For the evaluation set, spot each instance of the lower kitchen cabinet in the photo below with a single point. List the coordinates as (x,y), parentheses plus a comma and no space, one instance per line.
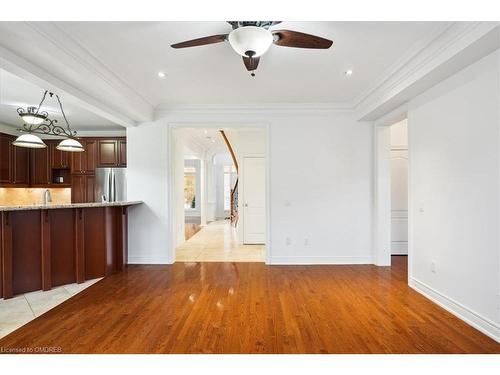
(64,245)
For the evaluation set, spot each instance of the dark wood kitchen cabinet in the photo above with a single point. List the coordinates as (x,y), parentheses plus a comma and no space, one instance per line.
(82,188)
(64,245)
(122,152)
(85,162)
(14,163)
(107,153)
(89,188)
(5,159)
(21,166)
(90,155)
(58,159)
(78,189)
(112,153)
(47,167)
(40,166)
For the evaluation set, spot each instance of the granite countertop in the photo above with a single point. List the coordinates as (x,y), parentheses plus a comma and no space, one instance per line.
(49,206)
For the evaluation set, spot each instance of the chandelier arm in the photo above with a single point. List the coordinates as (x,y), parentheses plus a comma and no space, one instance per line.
(71,133)
(41,102)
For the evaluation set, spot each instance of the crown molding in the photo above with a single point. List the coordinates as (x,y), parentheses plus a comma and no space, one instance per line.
(83,76)
(33,73)
(163,110)
(109,96)
(73,48)
(400,65)
(427,56)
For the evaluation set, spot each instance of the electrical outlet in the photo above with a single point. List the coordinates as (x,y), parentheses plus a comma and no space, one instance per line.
(433,266)
(422,207)
(288,241)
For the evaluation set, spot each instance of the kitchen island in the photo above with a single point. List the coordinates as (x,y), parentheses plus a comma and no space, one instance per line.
(44,246)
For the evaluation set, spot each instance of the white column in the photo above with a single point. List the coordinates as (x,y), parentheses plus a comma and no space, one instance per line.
(382,196)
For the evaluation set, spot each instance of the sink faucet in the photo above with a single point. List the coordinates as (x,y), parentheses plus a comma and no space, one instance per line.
(47,197)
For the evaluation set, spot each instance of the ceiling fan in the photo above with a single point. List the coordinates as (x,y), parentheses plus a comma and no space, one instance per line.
(251,39)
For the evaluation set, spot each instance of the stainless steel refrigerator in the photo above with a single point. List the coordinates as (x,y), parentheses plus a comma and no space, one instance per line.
(110,184)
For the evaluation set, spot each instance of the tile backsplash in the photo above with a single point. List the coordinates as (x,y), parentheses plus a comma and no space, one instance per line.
(22,196)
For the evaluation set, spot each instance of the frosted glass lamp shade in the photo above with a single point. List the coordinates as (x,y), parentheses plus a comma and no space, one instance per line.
(71,145)
(29,140)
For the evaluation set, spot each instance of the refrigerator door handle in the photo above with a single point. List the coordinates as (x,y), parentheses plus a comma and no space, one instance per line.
(108,187)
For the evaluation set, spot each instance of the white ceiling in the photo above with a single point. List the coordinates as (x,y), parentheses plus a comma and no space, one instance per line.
(207,140)
(16,92)
(214,74)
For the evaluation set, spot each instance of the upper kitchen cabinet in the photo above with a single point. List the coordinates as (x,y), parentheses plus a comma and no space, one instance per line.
(40,166)
(85,162)
(107,153)
(5,159)
(90,155)
(21,166)
(122,152)
(58,159)
(112,153)
(14,163)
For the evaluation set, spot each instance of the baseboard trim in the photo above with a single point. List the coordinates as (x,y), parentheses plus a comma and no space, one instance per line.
(312,260)
(148,260)
(486,326)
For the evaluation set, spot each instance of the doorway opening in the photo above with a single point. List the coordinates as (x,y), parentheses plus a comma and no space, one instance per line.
(219,194)
(399,188)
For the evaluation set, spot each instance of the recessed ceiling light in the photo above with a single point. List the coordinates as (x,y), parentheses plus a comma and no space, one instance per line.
(161,74)
(348,72)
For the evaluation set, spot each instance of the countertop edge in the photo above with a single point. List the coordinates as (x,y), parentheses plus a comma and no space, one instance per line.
(72,205)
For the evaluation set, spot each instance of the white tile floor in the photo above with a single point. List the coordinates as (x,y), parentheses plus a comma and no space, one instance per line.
(16,312)
(218,242)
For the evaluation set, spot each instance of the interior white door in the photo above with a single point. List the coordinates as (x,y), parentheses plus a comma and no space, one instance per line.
(254,200)
(399,201)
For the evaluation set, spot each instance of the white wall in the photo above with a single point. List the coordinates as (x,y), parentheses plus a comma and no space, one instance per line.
(321,190)
(147,180)
(320,186)
(454,194)
(178,145)
(211,188)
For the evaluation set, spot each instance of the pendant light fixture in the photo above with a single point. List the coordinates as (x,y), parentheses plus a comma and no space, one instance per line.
(29,141)
(37,121)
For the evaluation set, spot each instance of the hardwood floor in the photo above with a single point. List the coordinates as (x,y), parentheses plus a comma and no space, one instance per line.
(252,308)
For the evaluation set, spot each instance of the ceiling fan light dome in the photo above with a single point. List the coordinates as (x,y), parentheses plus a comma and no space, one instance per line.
(250,41)
(29,141)
(71,145)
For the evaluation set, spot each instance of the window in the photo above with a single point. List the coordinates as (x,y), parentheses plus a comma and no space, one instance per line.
(189,188)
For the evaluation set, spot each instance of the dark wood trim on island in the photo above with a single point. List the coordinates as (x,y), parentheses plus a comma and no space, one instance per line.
(41,248)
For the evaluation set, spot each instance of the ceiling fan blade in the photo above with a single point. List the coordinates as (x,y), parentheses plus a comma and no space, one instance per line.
(251,63)
(201,41)
(288,38)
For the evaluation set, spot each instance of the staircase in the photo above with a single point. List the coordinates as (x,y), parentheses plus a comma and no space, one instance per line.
(234,191)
